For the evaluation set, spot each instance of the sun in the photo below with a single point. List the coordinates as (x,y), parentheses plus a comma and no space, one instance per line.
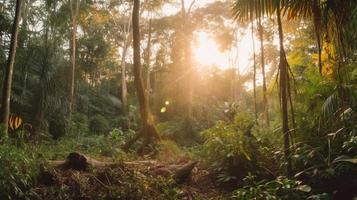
(206,52)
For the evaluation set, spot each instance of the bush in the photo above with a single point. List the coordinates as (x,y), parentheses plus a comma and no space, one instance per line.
(281,188)
(230,150)
(98,124)
(79,124)
(169,152)
(57,126)
(18,170)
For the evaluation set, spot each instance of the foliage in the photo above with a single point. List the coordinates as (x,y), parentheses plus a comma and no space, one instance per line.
(18,171)
(280,188)
(169,152)
(57,126)
(98,124)
(230,149)
(225,136)
(327,167)
(95,145)
(79,124)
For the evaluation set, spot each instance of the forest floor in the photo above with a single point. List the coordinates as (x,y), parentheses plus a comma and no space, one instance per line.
(138,179)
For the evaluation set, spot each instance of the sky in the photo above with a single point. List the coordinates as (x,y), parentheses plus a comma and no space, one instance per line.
(207,51)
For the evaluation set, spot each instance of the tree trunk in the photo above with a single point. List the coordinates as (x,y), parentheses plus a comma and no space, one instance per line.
(74,14)
(187,36)
(148,131)
(6,91)
(283,76)
(317,25)
(254,74)
(265,100)
(124,89)
(40,93)
(147,60)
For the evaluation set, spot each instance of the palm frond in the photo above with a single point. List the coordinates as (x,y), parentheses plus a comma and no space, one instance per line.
(244,10)
(330,106)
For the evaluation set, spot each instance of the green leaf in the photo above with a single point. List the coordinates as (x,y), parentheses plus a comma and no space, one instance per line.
(304,188)
(351,160)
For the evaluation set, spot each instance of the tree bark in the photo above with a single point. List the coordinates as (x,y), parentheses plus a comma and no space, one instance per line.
(283,76)
(187,36)
(262,60)
(147,60)
(74,14)
(148,131)
(254,74)
(6,91)
(124,89)
(316,12)
(40,93)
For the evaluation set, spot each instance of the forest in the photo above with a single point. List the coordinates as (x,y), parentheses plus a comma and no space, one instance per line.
(178,99)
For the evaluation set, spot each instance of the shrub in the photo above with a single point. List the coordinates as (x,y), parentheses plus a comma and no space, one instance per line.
(79,124)
(57,126)
(98,124)
(170,152)
(228,151)
(170,129)
(280,188)
(18,170)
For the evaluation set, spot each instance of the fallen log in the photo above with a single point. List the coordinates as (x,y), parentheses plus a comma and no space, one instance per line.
(80,162)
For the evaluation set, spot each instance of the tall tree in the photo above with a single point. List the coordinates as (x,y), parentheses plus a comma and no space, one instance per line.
(187,63)
(6,90)
(74,5)
(254,74)
(245,10)
(148,56)
(127,35)
(148,130)
(127,42)
(262,62)
(283,83)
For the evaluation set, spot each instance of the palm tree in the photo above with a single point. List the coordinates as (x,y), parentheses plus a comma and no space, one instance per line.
(311,9)
(284,91)
(247,10)
(6,91)
(330,19)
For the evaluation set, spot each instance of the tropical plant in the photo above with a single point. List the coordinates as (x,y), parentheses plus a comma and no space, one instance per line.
(230,150)
(280,188)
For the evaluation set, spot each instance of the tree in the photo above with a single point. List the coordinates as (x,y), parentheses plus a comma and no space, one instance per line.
(148,130)
(254,74)
(6,90)
(127,41)
(148,57)
(247,10)
(74,5)
(283,83)
(187,63)
(262,61)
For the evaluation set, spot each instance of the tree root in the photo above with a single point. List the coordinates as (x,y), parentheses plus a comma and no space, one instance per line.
(149,134)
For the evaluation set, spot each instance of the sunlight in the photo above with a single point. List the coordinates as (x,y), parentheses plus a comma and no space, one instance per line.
(207,53)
